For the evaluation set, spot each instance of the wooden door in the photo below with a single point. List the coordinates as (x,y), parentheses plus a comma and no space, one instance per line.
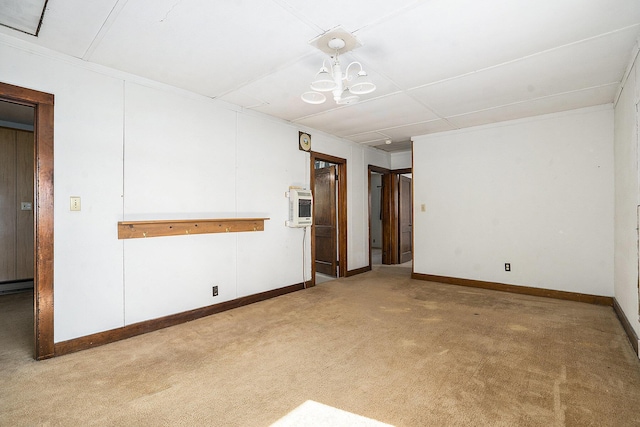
(389,246)
(405,222)
(324,221)
(7,204)
(16,204)
(24,204)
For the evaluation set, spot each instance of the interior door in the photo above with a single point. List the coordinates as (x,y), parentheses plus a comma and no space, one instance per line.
(405,222)
(16,205)
(7,204)
(324,221)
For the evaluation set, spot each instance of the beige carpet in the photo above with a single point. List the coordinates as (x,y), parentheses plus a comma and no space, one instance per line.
(377,346)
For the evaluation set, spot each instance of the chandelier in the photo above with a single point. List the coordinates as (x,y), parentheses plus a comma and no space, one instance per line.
(344,87)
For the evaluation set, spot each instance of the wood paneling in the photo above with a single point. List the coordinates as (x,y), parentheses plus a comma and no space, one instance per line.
(7,204)
(16,186)
(24,193)
(142,229)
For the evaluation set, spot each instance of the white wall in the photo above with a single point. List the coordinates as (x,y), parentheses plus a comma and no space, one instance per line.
(626,197)
(537,193)
(401,160)
(134,149)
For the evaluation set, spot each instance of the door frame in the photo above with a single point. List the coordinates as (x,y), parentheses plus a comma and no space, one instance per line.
(43,216)
(341,209)
(390,216)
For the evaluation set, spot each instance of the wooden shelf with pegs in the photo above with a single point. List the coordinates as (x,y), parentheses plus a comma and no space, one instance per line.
(183,227)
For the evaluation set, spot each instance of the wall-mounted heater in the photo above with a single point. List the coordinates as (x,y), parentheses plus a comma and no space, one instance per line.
(300,208)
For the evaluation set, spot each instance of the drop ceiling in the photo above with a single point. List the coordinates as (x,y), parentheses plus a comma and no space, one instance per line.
(438,64)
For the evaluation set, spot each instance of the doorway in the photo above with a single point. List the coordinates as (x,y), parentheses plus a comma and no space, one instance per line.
(376,216)
(329,231)
(16,193)
(42,104)
(390,216)
(16,228)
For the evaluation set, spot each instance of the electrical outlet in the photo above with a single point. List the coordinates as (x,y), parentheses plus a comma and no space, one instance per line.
(507,266)
(215,291)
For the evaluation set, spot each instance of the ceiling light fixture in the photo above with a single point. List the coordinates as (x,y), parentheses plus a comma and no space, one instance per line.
(345,87)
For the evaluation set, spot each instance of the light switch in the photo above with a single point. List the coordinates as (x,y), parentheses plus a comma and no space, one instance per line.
(423,207)
(75,203)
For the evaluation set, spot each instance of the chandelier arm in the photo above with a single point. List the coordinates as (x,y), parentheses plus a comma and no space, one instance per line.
(346,72)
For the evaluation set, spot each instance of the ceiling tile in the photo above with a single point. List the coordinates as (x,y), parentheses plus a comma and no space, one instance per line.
(351,15)
(470,62)
(22,15)
(553,104)
(70,26)
(368,138)
(595,62)
(372,115)
(406,132)
(446,38)
(206,47)
(280,91)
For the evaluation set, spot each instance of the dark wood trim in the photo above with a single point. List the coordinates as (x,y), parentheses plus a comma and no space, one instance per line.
(413,204)
(113,335)
(390,224)
(342,212)
(43,228)
(402,171)
(142,229)
(358,271)
(342,218)
(369,210)
(526,290)
(24,96)
(631,333)
(379,169)
(390,205)
(385,237)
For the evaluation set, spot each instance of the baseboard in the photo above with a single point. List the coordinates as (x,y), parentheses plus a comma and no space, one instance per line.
(358,271)
(540,292)
(631,333)
(106,337)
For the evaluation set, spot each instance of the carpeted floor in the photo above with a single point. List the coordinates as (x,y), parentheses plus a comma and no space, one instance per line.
(377,345)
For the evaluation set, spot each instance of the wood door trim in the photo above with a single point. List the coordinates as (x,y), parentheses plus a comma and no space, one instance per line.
(391,183)
(390,222)
(43,229)
(342,212)
(385,223)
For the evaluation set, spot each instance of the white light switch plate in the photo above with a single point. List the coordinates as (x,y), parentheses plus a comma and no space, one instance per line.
(75,203)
